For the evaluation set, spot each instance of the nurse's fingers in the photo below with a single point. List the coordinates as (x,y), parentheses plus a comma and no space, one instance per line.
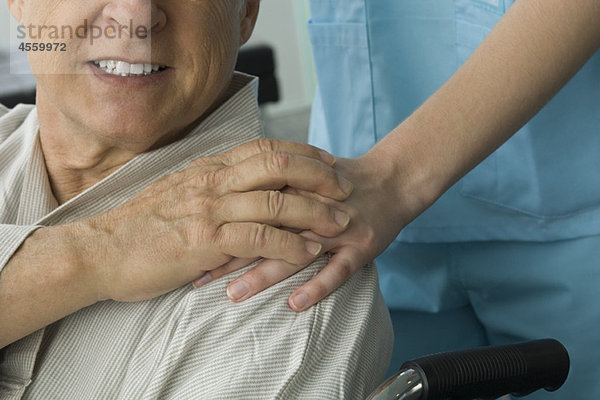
(341,267)
(233,265)
(270,272)
(266,274)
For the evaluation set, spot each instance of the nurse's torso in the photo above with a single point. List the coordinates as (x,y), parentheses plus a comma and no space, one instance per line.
(378,60)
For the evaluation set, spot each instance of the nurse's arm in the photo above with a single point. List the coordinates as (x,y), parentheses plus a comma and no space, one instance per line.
(527,58)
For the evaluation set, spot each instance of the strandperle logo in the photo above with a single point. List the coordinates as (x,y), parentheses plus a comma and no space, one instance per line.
(85,30)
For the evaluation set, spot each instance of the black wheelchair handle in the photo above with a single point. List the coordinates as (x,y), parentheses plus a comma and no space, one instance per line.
(493,371)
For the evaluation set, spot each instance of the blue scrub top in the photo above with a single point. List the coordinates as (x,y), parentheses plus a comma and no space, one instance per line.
(378,60)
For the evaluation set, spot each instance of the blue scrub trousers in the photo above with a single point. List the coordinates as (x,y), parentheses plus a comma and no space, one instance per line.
(450,296)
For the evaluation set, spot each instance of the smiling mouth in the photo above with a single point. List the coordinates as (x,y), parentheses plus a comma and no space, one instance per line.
(123,68)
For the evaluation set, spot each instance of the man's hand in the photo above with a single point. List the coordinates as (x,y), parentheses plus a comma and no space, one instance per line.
(376,217)
(217,208)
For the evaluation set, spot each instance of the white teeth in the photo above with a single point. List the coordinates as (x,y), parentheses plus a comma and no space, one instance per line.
(124,68)
(136,69)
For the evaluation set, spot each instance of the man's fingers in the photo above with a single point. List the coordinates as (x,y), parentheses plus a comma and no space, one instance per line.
(276,170)
(249,240)
(342,266)
(250,149)
(280,209)
(264,275)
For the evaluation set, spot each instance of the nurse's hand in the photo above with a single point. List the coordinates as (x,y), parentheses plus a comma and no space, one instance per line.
(377,214)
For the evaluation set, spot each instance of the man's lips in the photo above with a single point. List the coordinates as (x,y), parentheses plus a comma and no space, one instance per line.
(124,68)
(130,80)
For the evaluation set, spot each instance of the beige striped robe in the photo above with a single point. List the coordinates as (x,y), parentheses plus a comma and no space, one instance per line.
(190,343)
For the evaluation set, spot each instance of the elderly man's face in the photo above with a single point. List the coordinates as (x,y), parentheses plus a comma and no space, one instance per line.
(194,42)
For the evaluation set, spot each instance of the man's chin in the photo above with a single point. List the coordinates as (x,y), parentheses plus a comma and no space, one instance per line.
(135,135)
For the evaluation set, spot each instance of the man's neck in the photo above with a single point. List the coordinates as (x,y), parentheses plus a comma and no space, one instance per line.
(73,167)
(76,160)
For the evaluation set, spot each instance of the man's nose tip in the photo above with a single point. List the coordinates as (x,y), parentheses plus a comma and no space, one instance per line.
(135,13)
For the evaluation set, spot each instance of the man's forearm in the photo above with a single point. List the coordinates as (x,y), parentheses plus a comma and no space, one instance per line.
(532,52)
(43,282)
(172,232)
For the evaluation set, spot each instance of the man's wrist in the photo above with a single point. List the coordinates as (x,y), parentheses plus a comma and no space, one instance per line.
(87,247)
(79,272)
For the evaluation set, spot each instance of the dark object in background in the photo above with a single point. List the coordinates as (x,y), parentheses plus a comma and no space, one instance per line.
(260,61)
(485,372)
(13,99)
(256,60)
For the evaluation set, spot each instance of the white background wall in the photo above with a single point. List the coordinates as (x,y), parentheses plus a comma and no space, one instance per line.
(4,25)
(282,24)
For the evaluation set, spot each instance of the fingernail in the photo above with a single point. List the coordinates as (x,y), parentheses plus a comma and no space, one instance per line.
(345,185)
(313,248)
(327,158)
(237,290)
(341,218)
(299,301)
(203,280)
